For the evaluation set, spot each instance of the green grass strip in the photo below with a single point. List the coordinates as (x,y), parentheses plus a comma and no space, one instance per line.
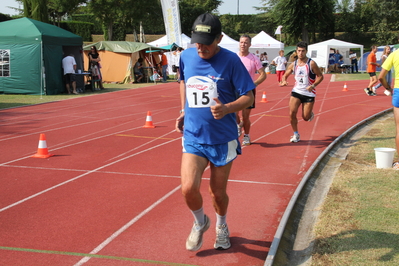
(91,255)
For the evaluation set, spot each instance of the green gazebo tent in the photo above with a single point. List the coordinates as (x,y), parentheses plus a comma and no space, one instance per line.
(31,55)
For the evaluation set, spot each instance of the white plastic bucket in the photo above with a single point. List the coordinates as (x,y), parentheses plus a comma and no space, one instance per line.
(384,157)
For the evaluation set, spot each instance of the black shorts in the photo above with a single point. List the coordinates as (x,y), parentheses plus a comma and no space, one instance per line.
(303,98)
(253,105)
(372,74)
(69,78)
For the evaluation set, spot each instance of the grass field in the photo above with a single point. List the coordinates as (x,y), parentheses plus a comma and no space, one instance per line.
(16,100)
(359,218)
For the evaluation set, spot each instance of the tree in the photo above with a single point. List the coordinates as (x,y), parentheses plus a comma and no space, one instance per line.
(59,8)
(4,17)
(151,18)
(385,21)
(191,9)
(106,13)
(36,9)
(300,18)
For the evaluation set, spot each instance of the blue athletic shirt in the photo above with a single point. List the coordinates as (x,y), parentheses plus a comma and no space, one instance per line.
(224,77)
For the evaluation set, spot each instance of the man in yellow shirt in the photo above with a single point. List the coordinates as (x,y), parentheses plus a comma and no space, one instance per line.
(392,61)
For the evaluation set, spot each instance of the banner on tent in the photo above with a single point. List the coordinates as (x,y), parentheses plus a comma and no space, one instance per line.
(171,17)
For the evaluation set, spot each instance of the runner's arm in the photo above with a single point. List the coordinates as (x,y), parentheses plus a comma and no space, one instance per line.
(288,72)
(180,119)
(319,75)
(381,78)
(220,110)
(261,77)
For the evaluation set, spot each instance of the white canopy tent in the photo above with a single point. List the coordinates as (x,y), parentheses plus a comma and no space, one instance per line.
(320,52)
(163,41)
(263,42)
(229,43)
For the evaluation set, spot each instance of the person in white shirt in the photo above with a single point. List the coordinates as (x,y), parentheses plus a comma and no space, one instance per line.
(281,63)
(69,66)
(307,77)
(353,58)
(179,50)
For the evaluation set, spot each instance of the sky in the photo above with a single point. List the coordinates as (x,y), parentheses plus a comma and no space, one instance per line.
(244,7)
(4,7)
(229,6)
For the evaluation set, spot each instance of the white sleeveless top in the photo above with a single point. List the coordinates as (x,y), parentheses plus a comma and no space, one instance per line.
(304,77)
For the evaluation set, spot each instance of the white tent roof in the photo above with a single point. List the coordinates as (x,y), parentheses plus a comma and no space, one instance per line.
(163,41)
(264,40)
(229,43)
(319,52)
(334,43)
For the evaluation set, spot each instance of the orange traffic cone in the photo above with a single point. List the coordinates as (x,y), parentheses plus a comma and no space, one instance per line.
(42,151)
(264,99)
(148,121)
(345,87)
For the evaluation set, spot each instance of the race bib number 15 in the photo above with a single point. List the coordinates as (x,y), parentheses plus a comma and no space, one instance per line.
(200,92)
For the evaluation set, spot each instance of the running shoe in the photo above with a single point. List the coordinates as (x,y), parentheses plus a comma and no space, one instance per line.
(222,237)
(387,93)
(239,127)
(367,91)
(194,240)
(372,94)
(295,138)
(311,117)
(246,141)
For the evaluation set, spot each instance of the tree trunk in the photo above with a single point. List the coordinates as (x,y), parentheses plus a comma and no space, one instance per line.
(110,24)
(305,35)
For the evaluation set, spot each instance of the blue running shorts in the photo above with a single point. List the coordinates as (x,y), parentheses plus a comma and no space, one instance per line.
(395,98)
(218,154)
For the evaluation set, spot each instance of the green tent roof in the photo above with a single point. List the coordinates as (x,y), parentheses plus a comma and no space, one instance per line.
(26,30)
(121,46)
(171,47)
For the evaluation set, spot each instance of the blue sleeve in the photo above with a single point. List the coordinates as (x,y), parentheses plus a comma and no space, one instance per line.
(242,81)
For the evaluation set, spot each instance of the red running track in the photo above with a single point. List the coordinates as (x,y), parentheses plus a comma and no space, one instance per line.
(110,195)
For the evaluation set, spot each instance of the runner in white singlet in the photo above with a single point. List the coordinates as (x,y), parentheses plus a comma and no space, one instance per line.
(307,77)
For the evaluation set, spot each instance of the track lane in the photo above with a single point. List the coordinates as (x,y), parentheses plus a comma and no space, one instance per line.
(263,178)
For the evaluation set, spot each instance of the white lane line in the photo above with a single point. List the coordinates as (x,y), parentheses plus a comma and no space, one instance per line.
(52,128)
(47,108)
(302,168)
(126,226)
(148,175)
(82,175)
(83,141)
(147,143)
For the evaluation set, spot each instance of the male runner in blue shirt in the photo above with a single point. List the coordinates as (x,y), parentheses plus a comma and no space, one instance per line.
(214,86)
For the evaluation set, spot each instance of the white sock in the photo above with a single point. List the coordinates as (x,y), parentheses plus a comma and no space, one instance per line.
(220,219)
(199,216)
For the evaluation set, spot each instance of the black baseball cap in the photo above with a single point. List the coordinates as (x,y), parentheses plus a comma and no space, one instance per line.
(205,29)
